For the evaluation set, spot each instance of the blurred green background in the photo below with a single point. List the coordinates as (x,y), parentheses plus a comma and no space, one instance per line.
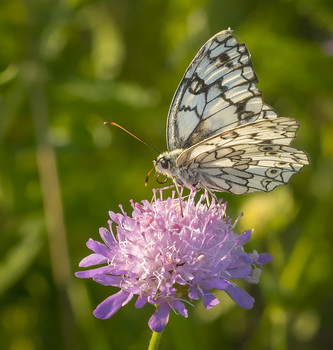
(65,67)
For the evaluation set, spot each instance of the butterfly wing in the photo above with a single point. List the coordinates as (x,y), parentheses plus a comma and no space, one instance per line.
(250,158)
(217,93)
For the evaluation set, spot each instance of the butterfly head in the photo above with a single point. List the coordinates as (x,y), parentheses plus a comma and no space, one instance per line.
(165,163)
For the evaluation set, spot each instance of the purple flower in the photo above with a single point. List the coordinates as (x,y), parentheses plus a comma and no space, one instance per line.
(167,259)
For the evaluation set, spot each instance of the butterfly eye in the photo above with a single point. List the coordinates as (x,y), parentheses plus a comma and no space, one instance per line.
(164,164)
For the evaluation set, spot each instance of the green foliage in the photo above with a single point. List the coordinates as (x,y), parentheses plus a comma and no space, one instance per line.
(67,66)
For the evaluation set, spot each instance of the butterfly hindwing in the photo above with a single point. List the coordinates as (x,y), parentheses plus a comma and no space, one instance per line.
(217,93)
(253,157)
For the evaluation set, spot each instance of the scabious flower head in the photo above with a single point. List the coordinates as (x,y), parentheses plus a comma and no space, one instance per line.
(168,259)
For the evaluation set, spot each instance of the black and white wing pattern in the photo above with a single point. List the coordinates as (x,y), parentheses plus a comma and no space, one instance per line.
(250,158)
(221,136)
(218,92)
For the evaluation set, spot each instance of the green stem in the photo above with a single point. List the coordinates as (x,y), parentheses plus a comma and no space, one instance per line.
(155,340)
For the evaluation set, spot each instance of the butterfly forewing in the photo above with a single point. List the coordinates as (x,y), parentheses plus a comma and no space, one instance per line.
(217,93)
(280,131)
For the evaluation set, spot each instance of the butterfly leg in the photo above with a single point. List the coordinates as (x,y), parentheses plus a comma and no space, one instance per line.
(180,200)
(161,189)
(207,197)
(167,187)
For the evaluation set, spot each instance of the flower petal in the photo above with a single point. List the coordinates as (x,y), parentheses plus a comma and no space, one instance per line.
(108,280)
(111,305)
(99,248)
(117,218)
(244,237)
(93,272)
(209,300)
(264,258)
(141,302)
(107,237)
(215,283)
(93,259)
(160,318)
(241,272)
(193,294)
(238,295)
(180,307)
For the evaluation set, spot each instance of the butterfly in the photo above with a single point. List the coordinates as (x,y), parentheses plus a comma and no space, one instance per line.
(221,136)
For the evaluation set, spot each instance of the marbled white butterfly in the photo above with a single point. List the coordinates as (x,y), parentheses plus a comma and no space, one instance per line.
(221,136)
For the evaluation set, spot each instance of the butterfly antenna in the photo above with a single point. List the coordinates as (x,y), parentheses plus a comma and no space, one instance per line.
(122,128)
(147,178)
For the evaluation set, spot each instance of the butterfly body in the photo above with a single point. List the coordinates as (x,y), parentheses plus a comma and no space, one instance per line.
(221,136)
